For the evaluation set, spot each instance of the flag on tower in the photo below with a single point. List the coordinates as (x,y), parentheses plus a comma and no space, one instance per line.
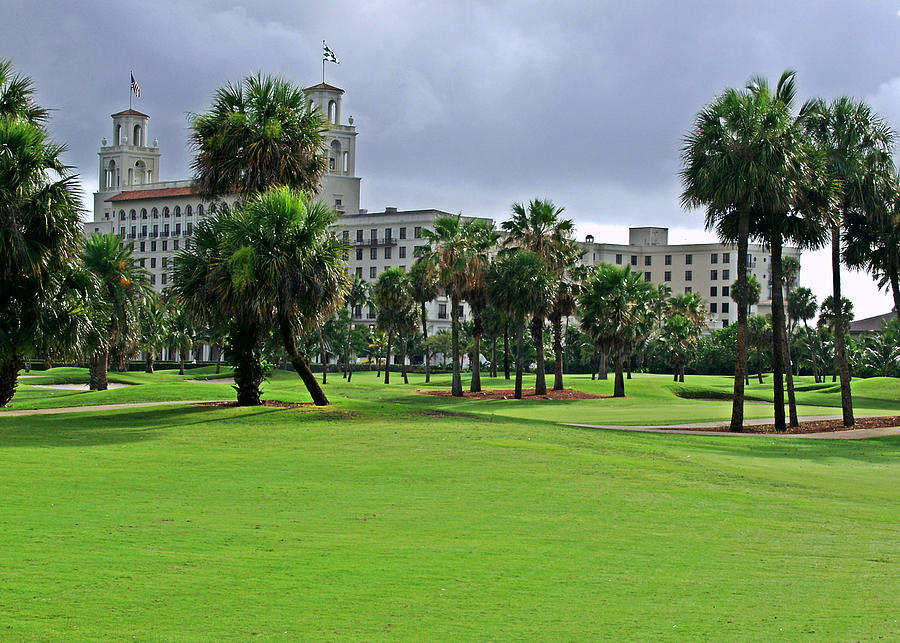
(328,55)
(135,87)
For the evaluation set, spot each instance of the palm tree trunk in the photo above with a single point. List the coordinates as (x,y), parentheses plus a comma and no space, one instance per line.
(243,352)
(537,332)
(778,333)
(47,363)
(323,357)
(681,373)
(839,338)
(603,367)
(181,361)
(793,419)
(619,386)
(300,365)
(740,362)
(494,356)
(219,360)
(403,359)
(894,279)
(454,338)
(148,361)
(98,370)
(557,353)
(628,358)
(812,352)
(9,378)
(520,357)
(759,364)
(425,343)
(506,350)
(387,358)
(478,329)
(595,358)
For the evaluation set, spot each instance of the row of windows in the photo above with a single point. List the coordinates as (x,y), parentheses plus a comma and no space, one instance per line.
(166,230)
(442,312)
(667,259)
(388,234)
(388,253)
(163,245)
(689,276)
(154,212)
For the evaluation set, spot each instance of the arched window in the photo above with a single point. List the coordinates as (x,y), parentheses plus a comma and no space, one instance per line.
(212,208)
(177,210)
(143,213)
(111,176)
(121,215)
(154,213)
(137,138)
(188,211)
(118,135)
(133,215)
(332,111)
(140,172)
(345,166)
(200,210)
(166,213)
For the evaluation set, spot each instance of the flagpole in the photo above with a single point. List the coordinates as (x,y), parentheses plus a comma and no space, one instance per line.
(323,62)
(130,92)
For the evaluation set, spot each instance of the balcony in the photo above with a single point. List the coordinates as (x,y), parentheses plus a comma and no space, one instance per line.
(387,241)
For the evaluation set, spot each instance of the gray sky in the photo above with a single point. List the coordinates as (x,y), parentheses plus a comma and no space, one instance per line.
(470,106)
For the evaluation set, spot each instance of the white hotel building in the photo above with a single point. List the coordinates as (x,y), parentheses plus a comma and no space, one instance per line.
(159,217)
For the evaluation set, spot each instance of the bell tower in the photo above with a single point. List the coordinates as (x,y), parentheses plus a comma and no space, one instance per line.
(340,185)
(128,159)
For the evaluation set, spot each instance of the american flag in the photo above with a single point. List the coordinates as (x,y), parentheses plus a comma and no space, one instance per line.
(135,87)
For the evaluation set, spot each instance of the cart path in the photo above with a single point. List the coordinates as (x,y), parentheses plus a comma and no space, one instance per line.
(100,407)
(694,429)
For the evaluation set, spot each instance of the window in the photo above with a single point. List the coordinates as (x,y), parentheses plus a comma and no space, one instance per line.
(442,311)
(633,260)
(667,276)
(357,311)
(359,235)
(359,272)
(387,252)
(133,215)
(724,321)
(359,254)
(714,291)
(714,258)
(726,275)
(373,272)
(166,230)
(166,213)
(121,215)
(417,232)
(713,308)
(618,259)
(143,231)
(122,231)
(688,260)
(155,232)
(373,234)
(370,313)
(152,279)
(388,233)
(403,252)
(189,227)
(459,311)
(200,210)
(142,263)
(688,290)
(688,275)
(153,262)
(143,213)
(177,229)
(177,210)
(165,262)
(175,244)
(163,278)
(403,233)
(373,253)
(668,260)
(337,203)
(725,306)
(165,246)
(714,275)
(725,291)
(187,244)
(648,260)
(152,246)
(133,231)
(726,257)
(647,276)
(143,246)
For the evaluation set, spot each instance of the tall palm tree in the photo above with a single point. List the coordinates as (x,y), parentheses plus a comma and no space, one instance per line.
(759,335)
(39,216)
(803,306)
(182,333)
(858,145)
(567,286)
(124,288)
(480,240)
(447,250)
(154,328)
(614,306)
(423,277)
(518,281)
(392,295)
(838,322)
(538,227)
(736,160)
(689,308)
(258,133)
(358,295)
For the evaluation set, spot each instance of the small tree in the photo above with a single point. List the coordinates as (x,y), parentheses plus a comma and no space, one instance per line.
(392,295)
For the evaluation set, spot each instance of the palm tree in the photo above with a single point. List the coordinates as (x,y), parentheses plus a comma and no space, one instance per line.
(567,287)
(803,306)
(614,306)
(182,333)
(881,354)
(154,328)
(689,307)
(39,215)
(517,283)
(423,277)
(258,133)
(448,253)
(759,335)
(392,295)
(124,287)
(737,159)
(357,296)
(480,239)
(678,337)
(838,322)
(858,145)
(539,228)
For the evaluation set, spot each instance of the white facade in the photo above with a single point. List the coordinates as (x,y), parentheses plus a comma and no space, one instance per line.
(705,268)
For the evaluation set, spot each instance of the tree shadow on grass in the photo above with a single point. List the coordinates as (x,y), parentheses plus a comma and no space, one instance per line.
(118,426)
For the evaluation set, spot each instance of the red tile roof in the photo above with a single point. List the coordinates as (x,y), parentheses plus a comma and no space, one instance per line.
(324,86)
(130,112)
(157,193)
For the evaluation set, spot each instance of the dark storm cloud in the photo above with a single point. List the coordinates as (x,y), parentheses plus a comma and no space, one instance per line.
(462,105)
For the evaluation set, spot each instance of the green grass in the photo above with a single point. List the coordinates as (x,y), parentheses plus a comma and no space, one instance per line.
(394,515)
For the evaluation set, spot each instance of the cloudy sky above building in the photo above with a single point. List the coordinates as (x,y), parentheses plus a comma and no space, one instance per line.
(470,106)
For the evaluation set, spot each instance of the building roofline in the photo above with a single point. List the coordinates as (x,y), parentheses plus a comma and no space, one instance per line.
(324,86)
(130,112)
